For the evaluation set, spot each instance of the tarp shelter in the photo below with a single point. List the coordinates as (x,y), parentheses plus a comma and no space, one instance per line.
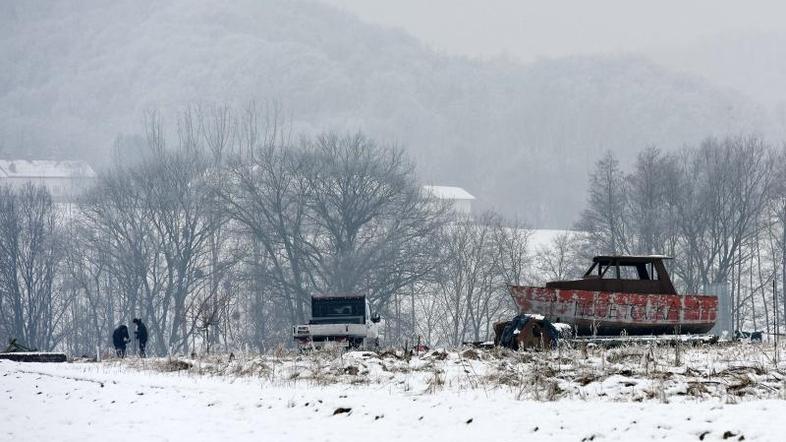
(526,331)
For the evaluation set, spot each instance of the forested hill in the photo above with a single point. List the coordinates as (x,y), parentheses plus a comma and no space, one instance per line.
(521,138)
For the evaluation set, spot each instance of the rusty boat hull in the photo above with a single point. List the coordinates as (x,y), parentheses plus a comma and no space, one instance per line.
(615,313)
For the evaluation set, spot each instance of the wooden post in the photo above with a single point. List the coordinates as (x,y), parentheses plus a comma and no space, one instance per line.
(775,315)
(677,332)
(207,337)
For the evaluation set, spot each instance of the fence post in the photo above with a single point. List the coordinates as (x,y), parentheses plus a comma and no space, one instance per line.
(776,329)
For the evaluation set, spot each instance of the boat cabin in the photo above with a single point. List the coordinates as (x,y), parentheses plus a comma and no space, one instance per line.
(644,274)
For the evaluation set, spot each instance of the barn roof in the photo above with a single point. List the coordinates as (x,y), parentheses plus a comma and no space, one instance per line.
(448,192)
(45,169)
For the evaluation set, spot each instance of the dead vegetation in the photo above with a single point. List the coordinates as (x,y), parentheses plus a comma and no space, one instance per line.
(636,373)
(169,365)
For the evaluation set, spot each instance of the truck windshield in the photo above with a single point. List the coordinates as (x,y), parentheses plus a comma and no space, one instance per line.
(338,310)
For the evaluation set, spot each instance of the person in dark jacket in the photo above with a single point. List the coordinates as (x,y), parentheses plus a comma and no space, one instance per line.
(141,335)
(120,338)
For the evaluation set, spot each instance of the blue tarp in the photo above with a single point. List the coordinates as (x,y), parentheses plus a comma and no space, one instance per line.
(520,321)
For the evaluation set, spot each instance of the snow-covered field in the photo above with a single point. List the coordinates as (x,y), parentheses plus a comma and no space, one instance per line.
(634,393)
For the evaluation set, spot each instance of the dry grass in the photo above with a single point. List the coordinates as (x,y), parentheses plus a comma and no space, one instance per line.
(728,373)
(170,365)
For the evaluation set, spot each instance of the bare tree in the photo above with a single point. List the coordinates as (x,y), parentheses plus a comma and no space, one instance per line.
(724,188)
(218,128)
(777,225)
(114,212)
(30,252)
(267,196)
(375,224)
(157,220)
(86,273)
(482,257)
(559,260)
(649,189)
(605,219)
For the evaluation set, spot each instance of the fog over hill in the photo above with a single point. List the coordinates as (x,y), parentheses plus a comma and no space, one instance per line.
(521,137)
(752,62)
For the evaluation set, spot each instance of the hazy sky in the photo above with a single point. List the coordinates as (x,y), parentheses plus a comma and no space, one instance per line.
(528,29)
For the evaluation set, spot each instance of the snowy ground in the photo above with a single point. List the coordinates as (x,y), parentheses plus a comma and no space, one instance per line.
(635,393)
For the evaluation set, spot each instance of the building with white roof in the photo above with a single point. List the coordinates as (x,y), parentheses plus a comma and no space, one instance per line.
(460,199)
(64,179)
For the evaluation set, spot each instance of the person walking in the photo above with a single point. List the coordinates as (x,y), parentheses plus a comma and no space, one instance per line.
(141,336)
(120,338)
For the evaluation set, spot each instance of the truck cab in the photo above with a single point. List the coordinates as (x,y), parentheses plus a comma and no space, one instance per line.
(340,321)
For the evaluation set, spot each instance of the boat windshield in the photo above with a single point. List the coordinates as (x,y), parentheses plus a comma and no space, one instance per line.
(640,271)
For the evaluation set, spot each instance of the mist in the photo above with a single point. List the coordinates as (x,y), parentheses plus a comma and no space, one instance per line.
(452,219)
(501,100)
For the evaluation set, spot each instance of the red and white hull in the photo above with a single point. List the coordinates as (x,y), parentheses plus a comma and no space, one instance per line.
(607,313)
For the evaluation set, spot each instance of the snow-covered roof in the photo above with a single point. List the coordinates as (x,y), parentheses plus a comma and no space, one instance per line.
(45,169)
(449,192)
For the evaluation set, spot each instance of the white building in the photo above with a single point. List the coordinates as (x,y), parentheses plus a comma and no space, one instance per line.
(461,200)
(64,179)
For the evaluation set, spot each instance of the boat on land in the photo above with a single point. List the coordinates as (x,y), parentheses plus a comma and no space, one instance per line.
(620,295)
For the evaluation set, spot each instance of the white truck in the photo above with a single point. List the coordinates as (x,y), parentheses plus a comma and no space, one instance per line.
(339,320)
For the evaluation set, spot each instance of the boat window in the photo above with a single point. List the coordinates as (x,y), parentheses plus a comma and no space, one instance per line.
(629,271)
(637,271)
